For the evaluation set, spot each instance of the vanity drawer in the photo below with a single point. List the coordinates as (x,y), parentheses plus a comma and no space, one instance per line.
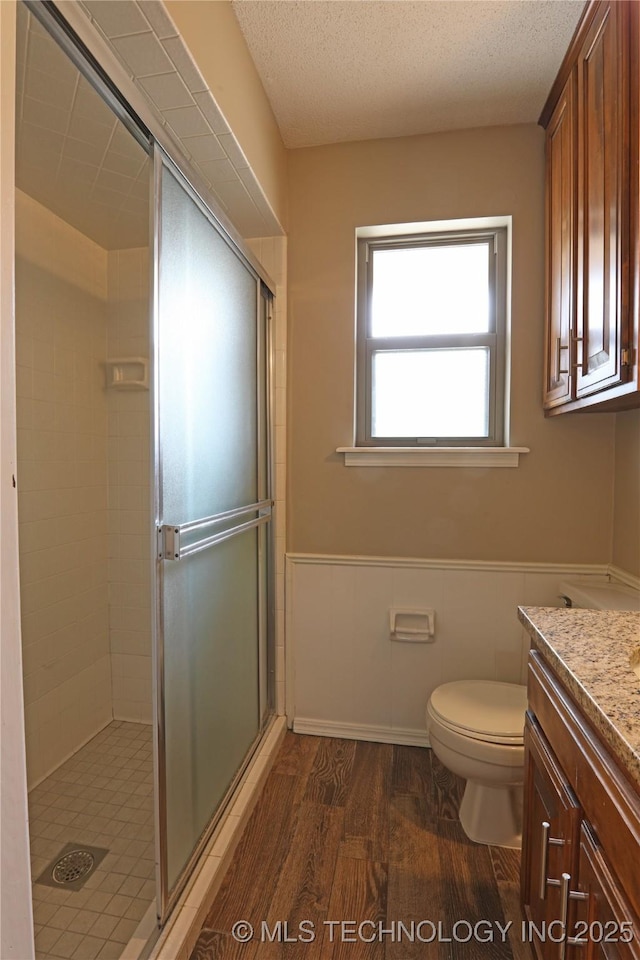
(609,801)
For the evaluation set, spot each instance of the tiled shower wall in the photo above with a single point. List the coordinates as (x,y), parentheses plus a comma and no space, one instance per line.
(61,320)
(83,482)
(129,491)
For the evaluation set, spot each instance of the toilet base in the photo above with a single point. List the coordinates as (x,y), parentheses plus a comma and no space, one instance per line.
(492,814)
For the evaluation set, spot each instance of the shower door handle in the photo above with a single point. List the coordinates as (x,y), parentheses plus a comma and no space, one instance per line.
(202,534)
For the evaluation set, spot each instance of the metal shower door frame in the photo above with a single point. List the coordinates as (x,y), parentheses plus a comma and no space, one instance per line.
(166,537)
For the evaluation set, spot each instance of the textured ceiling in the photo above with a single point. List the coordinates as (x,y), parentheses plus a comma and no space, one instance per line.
(338,70)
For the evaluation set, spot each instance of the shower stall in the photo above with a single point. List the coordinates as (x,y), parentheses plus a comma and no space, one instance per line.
(144,413)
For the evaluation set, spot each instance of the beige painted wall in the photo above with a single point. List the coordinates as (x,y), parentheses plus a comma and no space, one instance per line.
(626,519)
(557,506)
(215,40)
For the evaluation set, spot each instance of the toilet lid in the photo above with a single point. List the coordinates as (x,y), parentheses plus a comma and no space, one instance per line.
(482,709)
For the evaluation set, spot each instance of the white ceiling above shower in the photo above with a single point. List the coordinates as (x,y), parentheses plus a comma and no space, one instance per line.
(73,155)
(139,43)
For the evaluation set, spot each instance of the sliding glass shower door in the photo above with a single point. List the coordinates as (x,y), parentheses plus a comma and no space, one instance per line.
(213,512)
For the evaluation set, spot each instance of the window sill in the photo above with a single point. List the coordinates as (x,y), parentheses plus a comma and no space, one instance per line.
(432,456)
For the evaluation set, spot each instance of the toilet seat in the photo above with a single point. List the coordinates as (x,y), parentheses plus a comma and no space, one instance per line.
(476,730)
(485,710)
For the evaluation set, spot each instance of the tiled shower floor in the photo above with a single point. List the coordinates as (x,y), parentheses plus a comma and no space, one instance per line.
(103,797)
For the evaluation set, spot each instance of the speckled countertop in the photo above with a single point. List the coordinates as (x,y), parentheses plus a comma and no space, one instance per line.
(591,651)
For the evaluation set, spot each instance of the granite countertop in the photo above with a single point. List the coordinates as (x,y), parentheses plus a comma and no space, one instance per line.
(590,651)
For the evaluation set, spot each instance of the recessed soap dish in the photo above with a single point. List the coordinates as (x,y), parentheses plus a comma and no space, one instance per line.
(127,373)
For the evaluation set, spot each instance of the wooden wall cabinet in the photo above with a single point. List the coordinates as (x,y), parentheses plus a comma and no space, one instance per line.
(581,837)
(592,243)
(561,223)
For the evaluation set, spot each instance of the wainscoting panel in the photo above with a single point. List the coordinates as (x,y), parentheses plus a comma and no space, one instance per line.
(346,677)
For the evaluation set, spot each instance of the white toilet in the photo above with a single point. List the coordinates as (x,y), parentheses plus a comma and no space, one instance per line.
(476,729)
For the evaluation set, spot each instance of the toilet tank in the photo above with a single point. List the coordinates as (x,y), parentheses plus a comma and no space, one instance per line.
(599,593)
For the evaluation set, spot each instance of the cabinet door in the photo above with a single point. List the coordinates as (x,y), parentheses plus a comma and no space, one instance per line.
(601,918)
(549,837)
(561,173)
(603,132)
(632,354)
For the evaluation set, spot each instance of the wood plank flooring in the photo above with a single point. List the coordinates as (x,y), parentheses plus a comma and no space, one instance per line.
(351,839)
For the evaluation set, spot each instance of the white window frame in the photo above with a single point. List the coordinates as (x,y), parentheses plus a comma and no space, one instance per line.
(495,340)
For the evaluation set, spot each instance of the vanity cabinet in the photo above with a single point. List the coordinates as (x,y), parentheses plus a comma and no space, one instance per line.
(553,815)
(592,244)
(602,919)
(581,836)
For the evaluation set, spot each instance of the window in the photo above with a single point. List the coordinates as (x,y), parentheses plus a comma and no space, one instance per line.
(431,339)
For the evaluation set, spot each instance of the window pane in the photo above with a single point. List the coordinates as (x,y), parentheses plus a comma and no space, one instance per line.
(431,393)
(441,289)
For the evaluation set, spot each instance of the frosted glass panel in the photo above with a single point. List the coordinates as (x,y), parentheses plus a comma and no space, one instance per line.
(420,291)
(212,600)
(211,686)
(425,393)
(207,366)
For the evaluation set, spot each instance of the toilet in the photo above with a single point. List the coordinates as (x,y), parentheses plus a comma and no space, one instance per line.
(476,729)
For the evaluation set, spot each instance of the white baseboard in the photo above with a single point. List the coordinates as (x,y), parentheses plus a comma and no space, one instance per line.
(621,576)
(353,731)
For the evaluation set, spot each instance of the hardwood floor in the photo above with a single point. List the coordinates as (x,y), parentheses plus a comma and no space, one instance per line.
(352,839)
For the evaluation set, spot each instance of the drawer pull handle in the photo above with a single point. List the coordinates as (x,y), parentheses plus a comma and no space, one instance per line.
(566,895)
(545,842)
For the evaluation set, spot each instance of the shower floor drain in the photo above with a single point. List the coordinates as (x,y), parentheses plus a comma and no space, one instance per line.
(72,867)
